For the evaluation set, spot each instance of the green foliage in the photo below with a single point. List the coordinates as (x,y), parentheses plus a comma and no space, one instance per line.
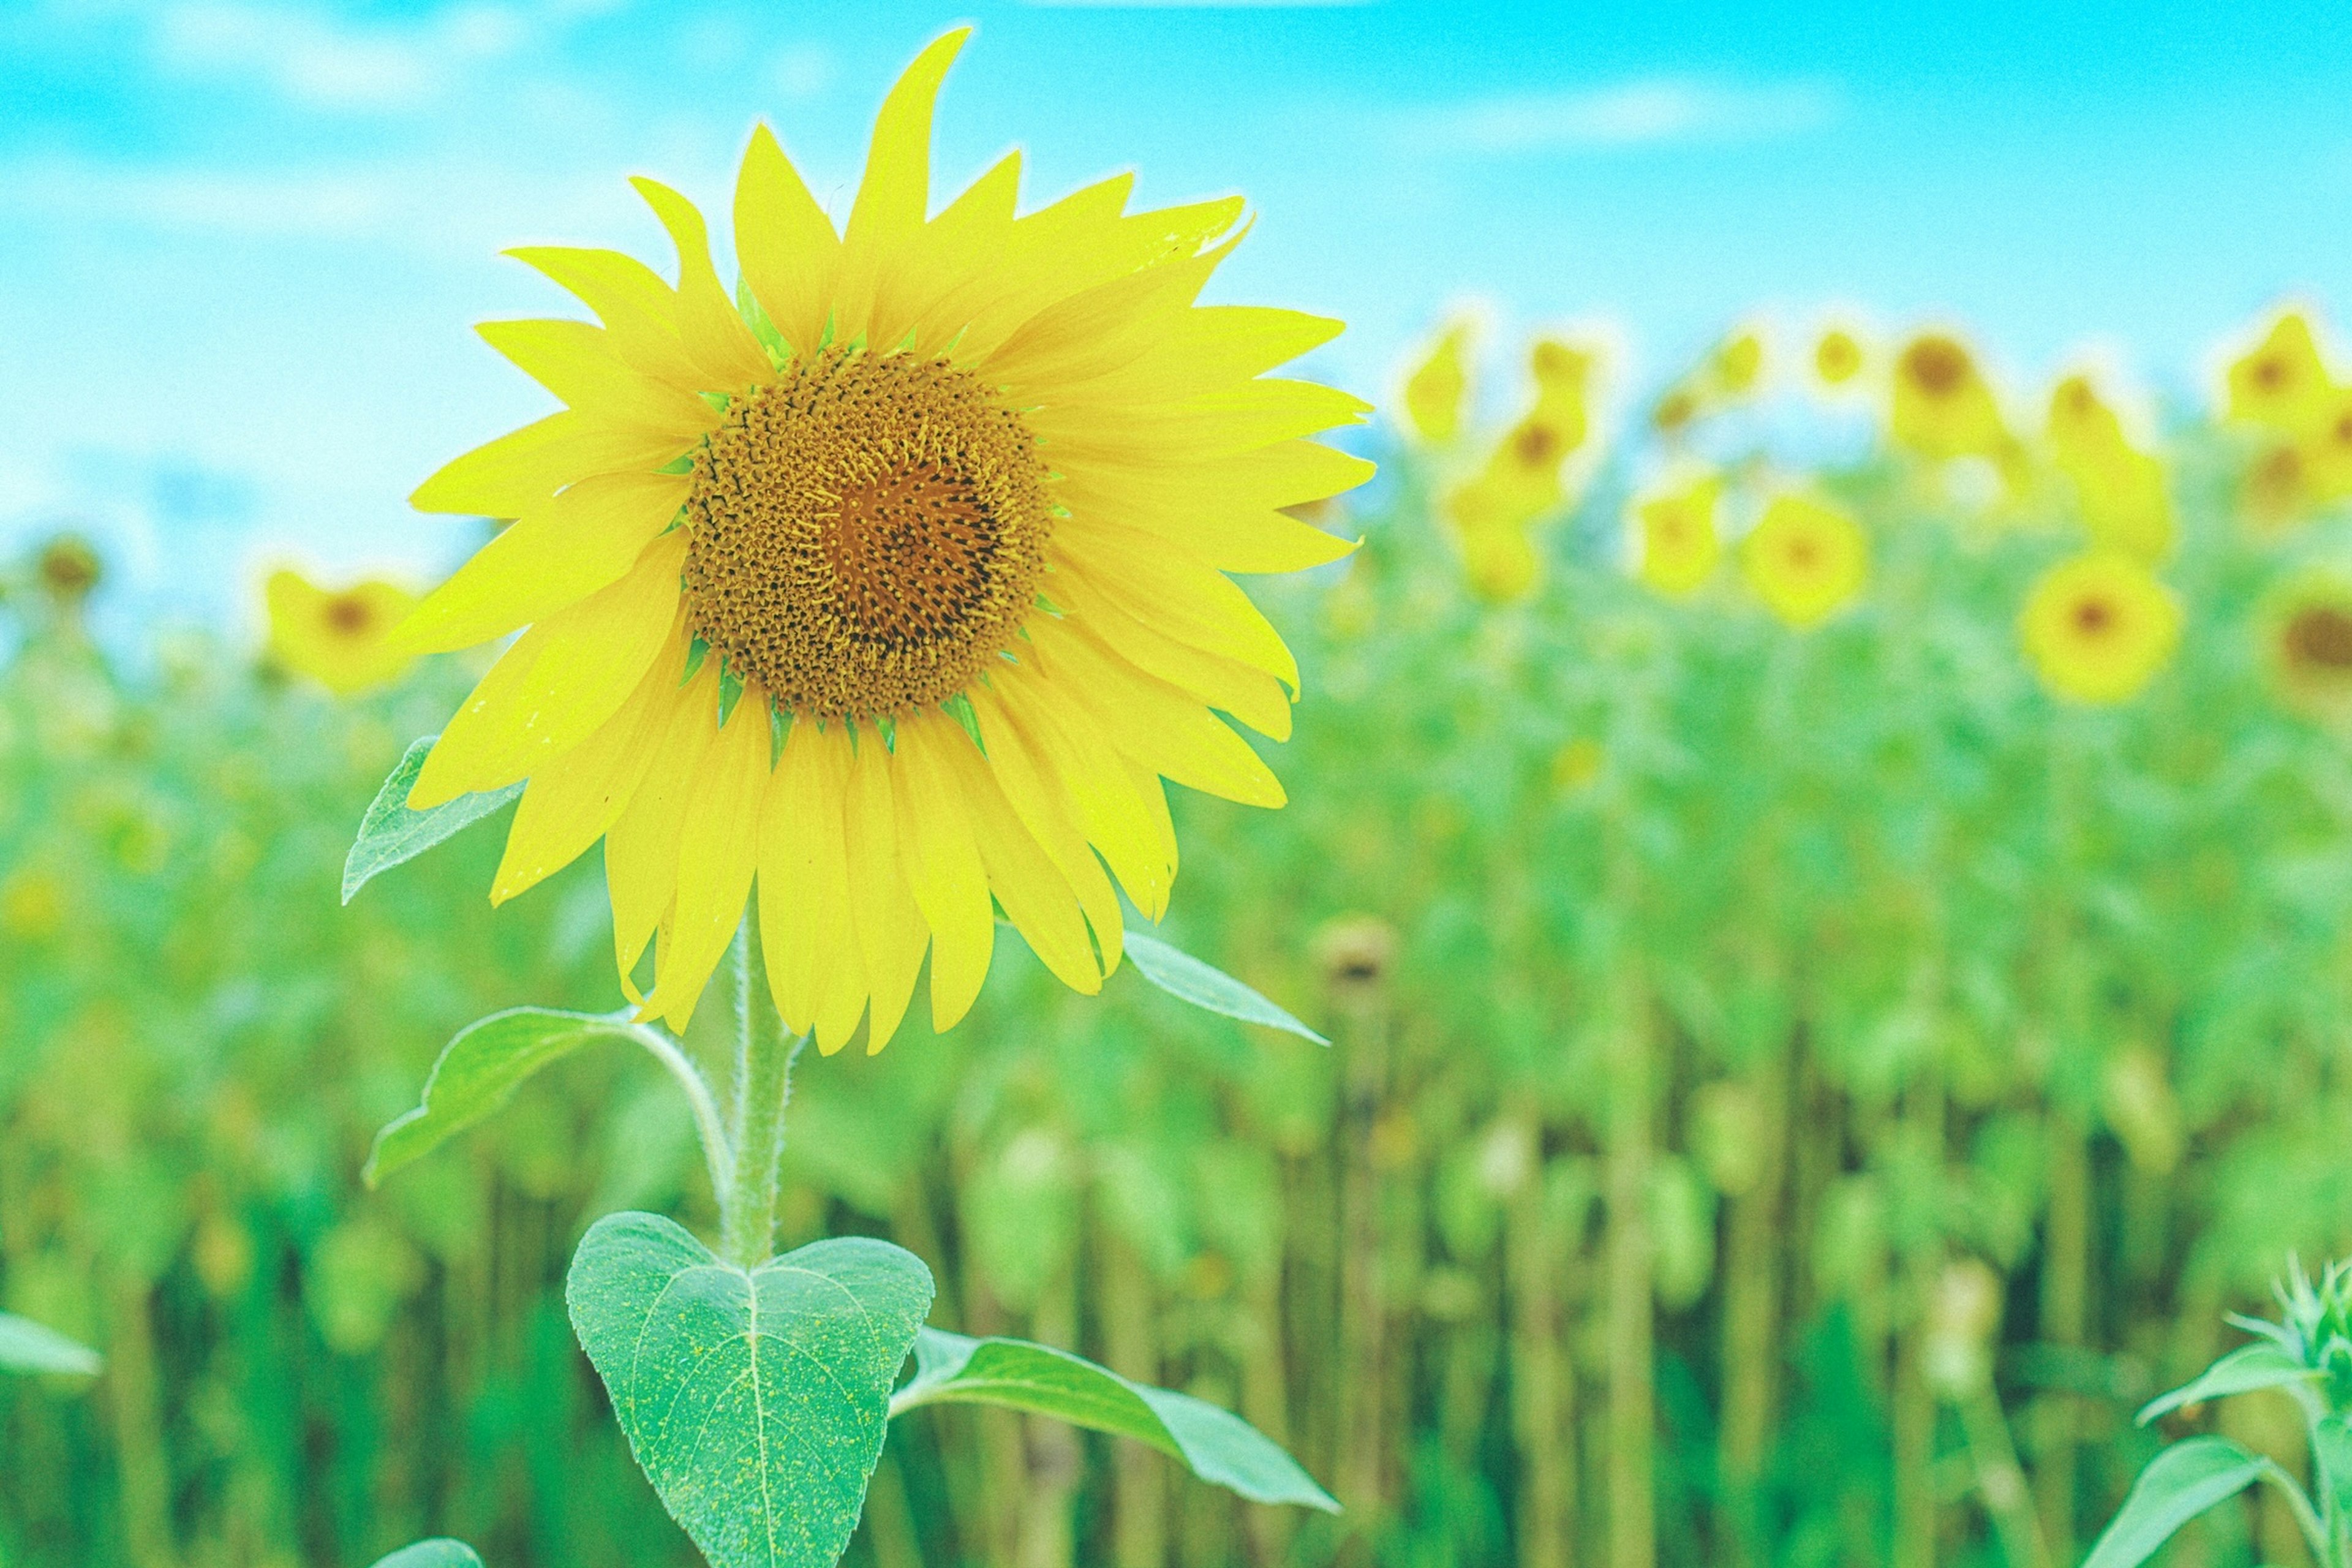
(28,1347)
(1214,1445)
(754,1400)
(437,1554)
(2180,1484)
(390,832)
(1187,979)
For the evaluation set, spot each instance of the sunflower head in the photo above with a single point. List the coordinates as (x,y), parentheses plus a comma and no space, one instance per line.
(1735,366)
(1676,537)
(2125,502)
(2327,443)
(339,637)
(1805,560)
(2097,627)
(888,585)
(2278,487)
(1676,409)
(2306,631)
(2282,380)
(68,570)
(1437,390)
(2081,423)
(1837,357)
(1943,407)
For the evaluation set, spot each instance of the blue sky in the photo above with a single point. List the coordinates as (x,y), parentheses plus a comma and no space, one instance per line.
(242,241)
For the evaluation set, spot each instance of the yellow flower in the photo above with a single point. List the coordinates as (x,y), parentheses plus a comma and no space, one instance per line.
(1837,357)
(1677,534)
(1563,375)
(1943,406)
(2282,381)
(1439,387)
(1677,408)
(1737,363)
(2326,442)
(1805,560)
(342,638)
(1501,565)
(2122,492)
(2307,643)
(2097,627)
(1520,481)
(891,595)
(2278,487)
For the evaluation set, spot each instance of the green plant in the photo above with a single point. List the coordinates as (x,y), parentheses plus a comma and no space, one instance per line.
(2307,1353)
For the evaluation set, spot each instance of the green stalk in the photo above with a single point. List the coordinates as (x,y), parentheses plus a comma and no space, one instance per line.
(2065,1299)
(1542,1377)
(1751,1314)
(2000,1480)
(1131,1348)
(764,1053)
(1632,1419)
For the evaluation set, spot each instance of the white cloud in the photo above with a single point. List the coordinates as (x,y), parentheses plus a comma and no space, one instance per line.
(326,63)
(805,70)
(1654,111)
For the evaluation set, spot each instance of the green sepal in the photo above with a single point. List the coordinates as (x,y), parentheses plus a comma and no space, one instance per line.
(696,652)
(731,691)
(959,708)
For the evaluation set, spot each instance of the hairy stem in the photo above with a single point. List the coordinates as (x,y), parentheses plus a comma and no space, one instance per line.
(764,1053)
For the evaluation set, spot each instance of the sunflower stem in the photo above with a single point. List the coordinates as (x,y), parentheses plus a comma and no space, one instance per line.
(764,1053)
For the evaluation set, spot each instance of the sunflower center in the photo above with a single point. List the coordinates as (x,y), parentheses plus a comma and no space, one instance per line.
(2320,637)
(866,534)
(2269,375)
(2094,617)
(348,614)
(1937,366)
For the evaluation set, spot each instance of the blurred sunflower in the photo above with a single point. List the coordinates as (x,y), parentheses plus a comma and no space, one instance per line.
(1805,560)
(896,592)
(1837,357)
(342,638)
(1942,406)
(1675,410)
(1439,387)
(2121,490)
(1735,366)
(1675,536)
(2307,643)
(2278,487)
(2281,381)
(2327,443)
(2098,627)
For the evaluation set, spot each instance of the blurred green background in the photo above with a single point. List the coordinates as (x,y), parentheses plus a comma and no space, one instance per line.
(1717,1005)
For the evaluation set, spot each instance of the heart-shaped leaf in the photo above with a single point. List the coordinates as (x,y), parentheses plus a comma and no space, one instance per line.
(1214,1445)
(1204,986)
(390,832)
(27,1346)
(754,1400)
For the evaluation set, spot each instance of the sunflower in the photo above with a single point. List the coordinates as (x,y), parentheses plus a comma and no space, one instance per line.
(2277,487)
(891,590)
(2125,504)
(1805,560)
(342,638)
(1943,407)
(2306,630)
(2098,627)
(2327,443)
(1735,366)
(1674,533)
(1837,357)
(2281,382)
(1438,388)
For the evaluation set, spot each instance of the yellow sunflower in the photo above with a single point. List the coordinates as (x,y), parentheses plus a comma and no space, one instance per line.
(1837,357)
(891,588)
(2125,504)
(1676,537)
(2098,627)
(339,637)
(1735,366)
(2327,443)
(1805,560)
(1438,389)
(2280,382)
(1943,407)
(2307,643)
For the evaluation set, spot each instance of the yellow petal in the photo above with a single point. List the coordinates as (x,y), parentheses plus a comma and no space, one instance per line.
(1241,418)
(803,880)
(558,683)
(554,556)
(891,931)
(784,244)
(1023,878)
(575,361)
(1250,695)
(1228,541)
(520,469)
(1098,330)
(1046,810)
(895,191)
(950,882)
(1208,348)
(575,798)
(641,851)
(715,335)
(1182,599)
(1068,748)
(953,249)
(638,309)
(1152,721)
(717,857)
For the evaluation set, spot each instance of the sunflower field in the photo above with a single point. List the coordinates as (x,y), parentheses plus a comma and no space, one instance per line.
(1793,991)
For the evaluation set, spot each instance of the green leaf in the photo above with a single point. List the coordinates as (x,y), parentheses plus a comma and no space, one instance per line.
(27,1346)
(2331,1452)
(755,1401)
(2243,1370)
(479,1071)
(2178,1484)
(390,832)
(438,1552)
(1187,979)
(1214,1445)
